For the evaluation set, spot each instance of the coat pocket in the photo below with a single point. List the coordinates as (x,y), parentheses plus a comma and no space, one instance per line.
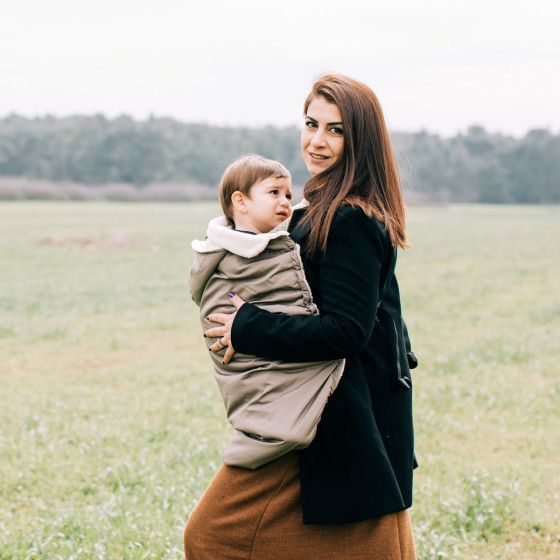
(403,373)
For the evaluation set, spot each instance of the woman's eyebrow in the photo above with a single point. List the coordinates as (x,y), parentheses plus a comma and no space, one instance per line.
(328,124)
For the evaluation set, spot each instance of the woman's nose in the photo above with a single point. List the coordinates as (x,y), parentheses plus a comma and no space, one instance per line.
(318,138)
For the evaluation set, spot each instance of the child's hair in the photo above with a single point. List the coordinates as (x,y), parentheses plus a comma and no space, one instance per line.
(242,174)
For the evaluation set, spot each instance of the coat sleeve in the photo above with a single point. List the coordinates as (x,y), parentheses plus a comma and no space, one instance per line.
(349,274)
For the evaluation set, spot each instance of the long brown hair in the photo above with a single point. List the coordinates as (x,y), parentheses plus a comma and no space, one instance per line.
(366,174)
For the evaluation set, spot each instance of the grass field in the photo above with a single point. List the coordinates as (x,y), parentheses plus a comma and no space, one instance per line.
(111,425)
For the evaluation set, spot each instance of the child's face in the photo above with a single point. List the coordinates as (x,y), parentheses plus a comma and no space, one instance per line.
(268,204)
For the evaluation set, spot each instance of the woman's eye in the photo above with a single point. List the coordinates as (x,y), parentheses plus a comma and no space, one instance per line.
(310,124)
(337,130)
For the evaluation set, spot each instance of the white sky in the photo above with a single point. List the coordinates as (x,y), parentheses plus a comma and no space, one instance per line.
(441,65)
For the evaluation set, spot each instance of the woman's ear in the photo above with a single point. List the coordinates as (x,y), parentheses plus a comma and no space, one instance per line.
(238,201)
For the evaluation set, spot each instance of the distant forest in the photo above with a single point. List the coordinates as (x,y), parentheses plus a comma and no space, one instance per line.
(161,158)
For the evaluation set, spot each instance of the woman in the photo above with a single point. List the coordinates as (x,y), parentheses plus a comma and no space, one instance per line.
(346,495)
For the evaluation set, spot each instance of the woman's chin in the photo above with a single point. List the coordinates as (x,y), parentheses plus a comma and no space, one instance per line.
(315,168)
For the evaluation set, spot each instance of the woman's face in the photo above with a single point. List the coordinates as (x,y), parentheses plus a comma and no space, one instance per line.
(322,137)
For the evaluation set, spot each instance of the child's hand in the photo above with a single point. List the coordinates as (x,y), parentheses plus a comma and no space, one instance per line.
(224,333)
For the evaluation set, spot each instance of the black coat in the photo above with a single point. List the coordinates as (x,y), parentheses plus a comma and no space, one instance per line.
(361,461)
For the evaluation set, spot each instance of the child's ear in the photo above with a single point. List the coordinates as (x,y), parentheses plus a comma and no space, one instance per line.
(238,201)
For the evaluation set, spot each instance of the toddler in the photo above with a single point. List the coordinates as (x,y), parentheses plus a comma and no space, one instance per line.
(274,406)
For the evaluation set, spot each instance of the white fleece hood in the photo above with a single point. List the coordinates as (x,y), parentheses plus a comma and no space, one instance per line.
(220,236)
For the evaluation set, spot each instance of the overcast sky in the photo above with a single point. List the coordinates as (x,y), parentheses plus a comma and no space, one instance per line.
(441,65)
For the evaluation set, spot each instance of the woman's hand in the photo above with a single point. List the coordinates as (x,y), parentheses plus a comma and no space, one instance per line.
(224,332)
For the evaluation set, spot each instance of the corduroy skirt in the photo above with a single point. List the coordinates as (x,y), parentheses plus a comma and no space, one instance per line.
(256,515)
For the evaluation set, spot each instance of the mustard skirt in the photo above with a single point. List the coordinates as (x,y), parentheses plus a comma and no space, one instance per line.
(256,515)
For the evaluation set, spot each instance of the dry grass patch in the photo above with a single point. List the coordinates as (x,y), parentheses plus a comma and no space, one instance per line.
(115,241)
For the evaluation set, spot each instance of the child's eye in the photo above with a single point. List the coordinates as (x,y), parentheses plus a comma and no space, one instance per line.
(274,191)
(289,196)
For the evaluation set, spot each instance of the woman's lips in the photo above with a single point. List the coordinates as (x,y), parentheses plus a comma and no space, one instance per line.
(317,156)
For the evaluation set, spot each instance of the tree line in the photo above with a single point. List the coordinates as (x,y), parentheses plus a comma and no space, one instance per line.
(476,166)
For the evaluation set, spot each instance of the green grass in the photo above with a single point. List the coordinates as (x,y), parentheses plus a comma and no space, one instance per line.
(111,425)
